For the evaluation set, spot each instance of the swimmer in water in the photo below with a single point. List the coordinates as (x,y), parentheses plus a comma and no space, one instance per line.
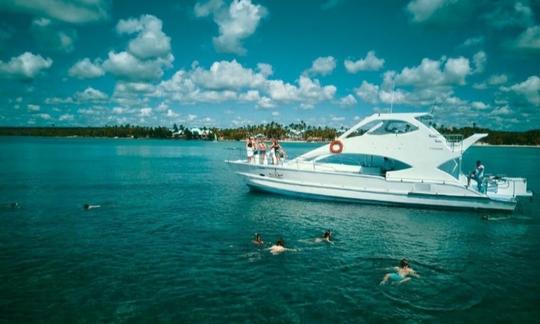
(327,236)
(88,206)
(13,205)
(403,273)
(258,239)
(279,247)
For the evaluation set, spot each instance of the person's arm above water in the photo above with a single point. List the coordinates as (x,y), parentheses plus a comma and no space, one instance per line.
(404,280)
(413,273)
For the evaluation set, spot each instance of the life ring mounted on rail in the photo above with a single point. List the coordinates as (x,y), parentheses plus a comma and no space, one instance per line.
(336,146)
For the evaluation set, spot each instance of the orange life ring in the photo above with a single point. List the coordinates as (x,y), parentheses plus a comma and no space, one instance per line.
(335,149)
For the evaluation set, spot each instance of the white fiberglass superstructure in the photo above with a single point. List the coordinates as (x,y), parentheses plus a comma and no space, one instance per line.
(394,158)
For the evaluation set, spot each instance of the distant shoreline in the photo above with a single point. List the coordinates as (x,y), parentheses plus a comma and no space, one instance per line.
(233,140)
(292,133)
(504,145)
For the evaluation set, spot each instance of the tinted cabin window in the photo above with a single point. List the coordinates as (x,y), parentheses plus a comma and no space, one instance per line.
(452,167)
(368,161)
(392,127)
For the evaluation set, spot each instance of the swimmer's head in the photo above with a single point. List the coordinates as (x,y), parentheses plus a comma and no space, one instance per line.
(478,162)
(86,206)
(403,263)
(280,242)
(257,237)
(327,234)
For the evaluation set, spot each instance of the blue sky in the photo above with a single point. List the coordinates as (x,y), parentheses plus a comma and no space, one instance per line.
(230,63)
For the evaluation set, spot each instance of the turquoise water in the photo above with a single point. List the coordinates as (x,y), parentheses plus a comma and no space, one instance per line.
(171,243)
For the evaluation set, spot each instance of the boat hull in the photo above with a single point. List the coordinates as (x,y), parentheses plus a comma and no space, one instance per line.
(364,189)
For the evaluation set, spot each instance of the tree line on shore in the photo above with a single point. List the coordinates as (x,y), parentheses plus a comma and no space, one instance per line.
(530,137)
(128,131)
(295,131)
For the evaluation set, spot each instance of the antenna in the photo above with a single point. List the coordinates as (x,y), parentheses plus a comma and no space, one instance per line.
(392,98)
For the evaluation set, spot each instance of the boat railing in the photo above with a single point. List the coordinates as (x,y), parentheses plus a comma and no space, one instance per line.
(426,180)
(239,154)
(454,141)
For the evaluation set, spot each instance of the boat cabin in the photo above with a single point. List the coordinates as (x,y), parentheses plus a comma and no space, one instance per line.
(398,146)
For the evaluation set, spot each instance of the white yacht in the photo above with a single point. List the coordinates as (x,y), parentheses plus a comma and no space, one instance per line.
(394,158)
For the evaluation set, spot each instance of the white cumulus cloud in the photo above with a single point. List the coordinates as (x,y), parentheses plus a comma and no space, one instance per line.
(90,94)
(118,110)
(430,84)
(250,95)
(66,117)
(473,41)
(497,79)
(127,89)
(24,66)
(124,65)
(151,41)
(147,55)
(323,65)
(236,22)
(145,112)
(479,60)
(479,105)
(44,116)
(529,89)
(33,108)
(71,11)
(228,75)
(265,69)
(368,92)
(86,69)
(422,10)
(171,114)
(348,100)
(529,39)
(451,71)
(229,80)
(370,63)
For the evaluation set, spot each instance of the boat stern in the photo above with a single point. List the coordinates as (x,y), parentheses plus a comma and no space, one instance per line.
(507,188)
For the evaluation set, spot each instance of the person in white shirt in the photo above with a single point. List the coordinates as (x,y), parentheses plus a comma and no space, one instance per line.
(250,147)
(477,175)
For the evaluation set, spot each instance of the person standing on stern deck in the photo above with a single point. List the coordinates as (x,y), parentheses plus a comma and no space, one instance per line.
(477,175)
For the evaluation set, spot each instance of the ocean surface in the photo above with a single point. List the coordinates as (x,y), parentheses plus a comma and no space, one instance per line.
(171,242)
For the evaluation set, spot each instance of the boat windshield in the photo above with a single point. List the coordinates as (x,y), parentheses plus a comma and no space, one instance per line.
(365,128)
(392,127)
(427,120)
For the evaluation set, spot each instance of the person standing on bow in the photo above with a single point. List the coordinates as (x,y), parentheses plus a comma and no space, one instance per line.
(276,151)
(262,152)
(250,149)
